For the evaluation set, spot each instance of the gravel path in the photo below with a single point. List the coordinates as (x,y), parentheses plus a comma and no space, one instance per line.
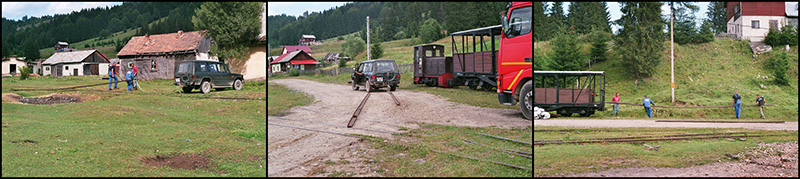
(653,123)
(295,152)
(766,160)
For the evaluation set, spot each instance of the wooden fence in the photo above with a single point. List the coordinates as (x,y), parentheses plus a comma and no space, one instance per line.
(404,68)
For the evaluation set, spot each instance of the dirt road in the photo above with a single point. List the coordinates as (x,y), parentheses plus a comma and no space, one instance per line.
(295,152)
(653,123)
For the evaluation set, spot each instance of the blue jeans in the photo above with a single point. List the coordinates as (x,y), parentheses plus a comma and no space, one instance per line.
(738,107)
(649,112)
(130,83)
(112,78)
(616,108)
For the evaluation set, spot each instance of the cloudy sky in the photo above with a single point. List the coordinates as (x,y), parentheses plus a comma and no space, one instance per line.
(297,8)
(16,10)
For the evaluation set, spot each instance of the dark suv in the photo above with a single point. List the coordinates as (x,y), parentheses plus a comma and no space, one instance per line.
(374,74)
(204,75)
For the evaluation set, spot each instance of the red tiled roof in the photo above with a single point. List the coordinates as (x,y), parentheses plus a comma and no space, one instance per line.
(295,48)
(303,62)
(162,43)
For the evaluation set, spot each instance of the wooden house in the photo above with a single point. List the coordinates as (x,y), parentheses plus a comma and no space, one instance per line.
(297,59)
(289,49)
(307,40)
(76,63)
(156,56)
(753,20)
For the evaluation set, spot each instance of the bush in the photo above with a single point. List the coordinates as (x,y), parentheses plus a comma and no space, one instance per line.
(400,35)
(24,71)
(342,63)
(376,51)
(294,72)
(787,35)
(430,31)
(779,65)
(340,38)
(354,46)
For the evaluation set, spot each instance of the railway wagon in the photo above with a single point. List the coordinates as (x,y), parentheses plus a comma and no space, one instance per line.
(431,67)
(569,92)
(475,57)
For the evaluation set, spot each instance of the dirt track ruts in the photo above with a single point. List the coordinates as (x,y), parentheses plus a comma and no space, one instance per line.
(295,152)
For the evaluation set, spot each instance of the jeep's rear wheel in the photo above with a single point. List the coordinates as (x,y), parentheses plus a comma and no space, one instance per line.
(187,89)
(392,87)
(205,87)
(237,84)
(368,86)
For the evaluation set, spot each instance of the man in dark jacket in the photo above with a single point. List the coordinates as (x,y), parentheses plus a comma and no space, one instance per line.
(112,75)
(737,103)
(760,101)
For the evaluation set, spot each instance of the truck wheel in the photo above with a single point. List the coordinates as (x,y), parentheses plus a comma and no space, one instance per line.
(237,84)
(187,89)
(205,87)
(355,87)
(526,100)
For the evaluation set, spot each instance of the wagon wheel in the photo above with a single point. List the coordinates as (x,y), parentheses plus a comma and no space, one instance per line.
(472,84)
(487,87)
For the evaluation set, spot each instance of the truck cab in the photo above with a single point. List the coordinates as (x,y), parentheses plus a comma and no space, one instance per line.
(515,58)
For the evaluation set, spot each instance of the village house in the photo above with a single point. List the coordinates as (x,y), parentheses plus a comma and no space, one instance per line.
(335,57)
(12,64)
(156,56)
(62,47)
(307,40)
(289,49)
(297,59)
(36,66)
(752,20)
(76,63)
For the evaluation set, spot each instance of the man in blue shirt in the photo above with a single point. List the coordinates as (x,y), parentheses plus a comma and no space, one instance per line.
(737,103)
(647,108)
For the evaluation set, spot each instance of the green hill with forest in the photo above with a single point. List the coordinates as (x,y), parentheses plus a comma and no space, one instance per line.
(706,74)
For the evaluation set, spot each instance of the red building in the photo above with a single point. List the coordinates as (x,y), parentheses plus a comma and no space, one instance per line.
(752,20)
(297,59)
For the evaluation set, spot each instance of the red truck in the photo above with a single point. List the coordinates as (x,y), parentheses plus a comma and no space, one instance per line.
(515,59)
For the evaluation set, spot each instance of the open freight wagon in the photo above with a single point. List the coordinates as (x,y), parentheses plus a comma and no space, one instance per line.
(568,92)
(475,57)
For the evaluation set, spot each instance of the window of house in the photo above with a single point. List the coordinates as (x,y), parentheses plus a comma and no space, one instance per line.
(755,24)
(47,68)
(153,65)
(66,67)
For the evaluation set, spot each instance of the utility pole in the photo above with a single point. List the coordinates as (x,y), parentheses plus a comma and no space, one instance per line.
(368,52)
(672,50)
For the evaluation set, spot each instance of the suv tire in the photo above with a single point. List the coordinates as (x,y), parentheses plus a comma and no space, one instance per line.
(205,86)
(237,84)
(392,87)
(355,86)
(187,89)
(367,86)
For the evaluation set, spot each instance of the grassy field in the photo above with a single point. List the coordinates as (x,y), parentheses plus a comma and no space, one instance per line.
(450,139)
(282,99)
(556,160)
(109,136)
(715,68)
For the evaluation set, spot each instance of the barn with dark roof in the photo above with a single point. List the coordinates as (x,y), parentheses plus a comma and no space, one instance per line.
(156,56)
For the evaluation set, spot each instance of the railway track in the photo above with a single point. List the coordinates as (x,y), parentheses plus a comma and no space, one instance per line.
(637,139)
(361,106)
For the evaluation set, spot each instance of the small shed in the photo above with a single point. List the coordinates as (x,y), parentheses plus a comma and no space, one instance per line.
(11,65)
(76,63)
(297,59)
(61,46)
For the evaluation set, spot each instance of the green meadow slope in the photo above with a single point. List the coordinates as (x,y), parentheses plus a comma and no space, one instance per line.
(716,69)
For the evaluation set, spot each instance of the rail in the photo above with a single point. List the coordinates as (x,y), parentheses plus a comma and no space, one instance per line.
(358,111)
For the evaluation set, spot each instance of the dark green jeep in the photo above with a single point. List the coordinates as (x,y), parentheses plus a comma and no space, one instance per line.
(375,74)
(204,75)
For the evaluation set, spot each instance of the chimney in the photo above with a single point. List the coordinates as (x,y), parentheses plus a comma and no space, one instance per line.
(180,33)
(146,39)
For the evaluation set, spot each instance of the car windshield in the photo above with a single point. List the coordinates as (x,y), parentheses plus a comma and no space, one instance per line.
(184,67)
(385,67)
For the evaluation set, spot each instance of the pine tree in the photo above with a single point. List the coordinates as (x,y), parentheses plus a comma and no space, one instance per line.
(640,40)
(584,15)
(557,17)
(716,14)
(567,55)
(539,20)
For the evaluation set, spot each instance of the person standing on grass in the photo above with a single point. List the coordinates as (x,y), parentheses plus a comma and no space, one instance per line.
(129,77)
(112,75)
(615,99)
(647,102)
(760,101)
(135,74)
(737,103)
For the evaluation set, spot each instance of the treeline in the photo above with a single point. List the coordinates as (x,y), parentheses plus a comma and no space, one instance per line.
(388,20)
(95,22)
